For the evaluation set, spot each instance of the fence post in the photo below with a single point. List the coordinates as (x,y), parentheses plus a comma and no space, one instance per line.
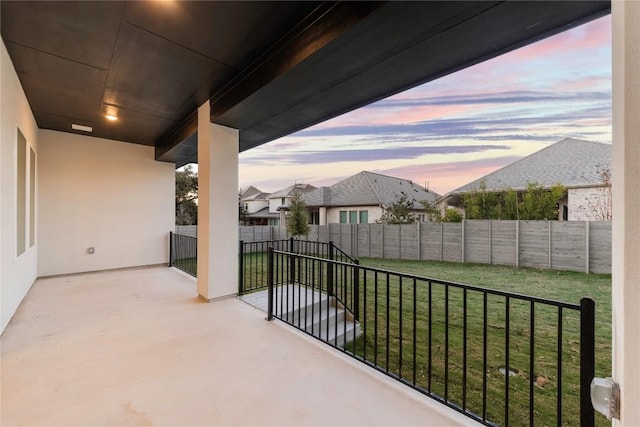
(171,249)
(462,238)
(330,270)
(356,290)
(270,283)
(517,243)
(241,268)
(587,360)
(586,248)
(292,262)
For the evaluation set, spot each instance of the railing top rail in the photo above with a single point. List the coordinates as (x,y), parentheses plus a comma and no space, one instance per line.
(343,253)
(182,235)
(444,282)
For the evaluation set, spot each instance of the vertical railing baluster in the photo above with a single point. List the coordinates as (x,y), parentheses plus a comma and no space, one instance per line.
(446,343)
(171,249)
(329,267)
(306,292)
(400,326)
(484,356)
(464,349)
(375,319)
(356,291)
(241,269)
(587,360)
(532,373)
(559,362)
(507,367)
(270,285)
(364,310)
(415,316)
(330,270)
(430,346)
(387,326)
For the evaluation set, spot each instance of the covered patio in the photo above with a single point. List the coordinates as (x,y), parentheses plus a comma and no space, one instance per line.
(135,347)
(102,100)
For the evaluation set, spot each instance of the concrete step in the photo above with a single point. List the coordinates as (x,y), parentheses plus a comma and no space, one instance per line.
(320,318)
(323,318)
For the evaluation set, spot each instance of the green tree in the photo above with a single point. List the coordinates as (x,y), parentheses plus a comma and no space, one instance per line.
(481,203)
(432,211)
(452,215)
(298,222)
(186,195)
(534,203)
(399,212)
(540,203)
(511,205)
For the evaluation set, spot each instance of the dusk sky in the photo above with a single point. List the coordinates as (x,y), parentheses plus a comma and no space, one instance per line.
(453,130)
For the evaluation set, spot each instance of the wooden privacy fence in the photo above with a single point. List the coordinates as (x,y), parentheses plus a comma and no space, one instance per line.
(583,246)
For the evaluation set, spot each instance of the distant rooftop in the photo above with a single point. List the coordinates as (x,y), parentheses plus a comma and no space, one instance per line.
(369,188)
(570,162)
(292,190)
(251,191)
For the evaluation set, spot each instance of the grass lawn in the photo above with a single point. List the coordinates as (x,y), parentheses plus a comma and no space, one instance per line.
(389,334)
(391,348)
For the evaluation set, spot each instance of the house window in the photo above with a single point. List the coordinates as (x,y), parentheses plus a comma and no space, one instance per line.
(314,218)
(343,217)
(32,197)
(353,217)
(21,193)
(364,217)
(283,201)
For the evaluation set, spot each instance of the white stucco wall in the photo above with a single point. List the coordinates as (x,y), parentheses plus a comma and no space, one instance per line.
(589,204)
(625,245)
(333,214)
(274,204)
(105,194)
(254,206)
(17,273)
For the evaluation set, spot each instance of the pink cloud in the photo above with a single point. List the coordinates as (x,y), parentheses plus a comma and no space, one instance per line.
(582,39)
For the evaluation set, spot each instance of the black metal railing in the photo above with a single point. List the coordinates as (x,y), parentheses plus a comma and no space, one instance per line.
(252,262)
(183,253)
(498,357)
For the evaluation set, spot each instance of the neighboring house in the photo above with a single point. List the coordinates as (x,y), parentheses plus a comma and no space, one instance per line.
(256,207)
(363,198)
(250,191)
(279,201)
(578,165)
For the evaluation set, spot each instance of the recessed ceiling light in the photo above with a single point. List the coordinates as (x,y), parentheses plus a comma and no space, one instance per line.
(111,117)
(82,128)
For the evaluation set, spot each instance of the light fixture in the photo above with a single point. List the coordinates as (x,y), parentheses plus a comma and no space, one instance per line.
(111,117)
(82,128)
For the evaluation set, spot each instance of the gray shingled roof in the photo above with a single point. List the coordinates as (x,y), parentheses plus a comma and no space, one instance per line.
(257,196)
(368,188)
(570,162)
(251,191)
(264,213)
(292,190)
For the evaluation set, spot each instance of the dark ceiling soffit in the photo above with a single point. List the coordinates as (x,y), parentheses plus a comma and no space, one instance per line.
(182,132)
(325,24)
(603,7)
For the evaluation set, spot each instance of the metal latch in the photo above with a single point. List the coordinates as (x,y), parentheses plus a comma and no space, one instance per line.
(605,397)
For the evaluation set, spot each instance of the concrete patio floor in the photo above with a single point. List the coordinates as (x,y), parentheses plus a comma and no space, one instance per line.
(136,347)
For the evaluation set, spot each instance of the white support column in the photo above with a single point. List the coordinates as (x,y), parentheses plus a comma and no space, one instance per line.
(322,214)
(217,208)
(626,207)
